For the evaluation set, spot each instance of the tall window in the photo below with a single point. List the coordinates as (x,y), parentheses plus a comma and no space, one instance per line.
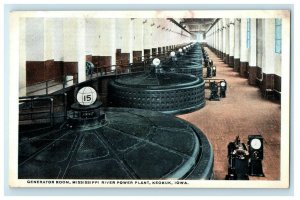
(248,32)
(277,35)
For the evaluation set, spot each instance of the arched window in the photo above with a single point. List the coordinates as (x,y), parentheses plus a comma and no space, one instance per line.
(277,35)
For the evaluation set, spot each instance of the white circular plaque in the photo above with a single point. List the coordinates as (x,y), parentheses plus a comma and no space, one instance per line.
(86,96)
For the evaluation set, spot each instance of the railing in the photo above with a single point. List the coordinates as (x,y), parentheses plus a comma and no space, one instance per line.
(40,109)
(51,83)
(209,80)
(122,67)
(36,113)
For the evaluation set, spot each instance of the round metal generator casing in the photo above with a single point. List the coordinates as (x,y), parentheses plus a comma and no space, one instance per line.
(166,92)
(129,144)
(188,67)
(191,69)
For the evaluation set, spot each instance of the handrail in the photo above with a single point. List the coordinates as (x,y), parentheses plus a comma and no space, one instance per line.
(214,79)
(39,98)
(209,80)
(47,86)
(124,66)
(31,100)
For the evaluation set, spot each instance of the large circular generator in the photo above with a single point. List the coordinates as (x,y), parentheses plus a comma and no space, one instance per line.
(117,143)
(185,67)
(187,62)
(159,91)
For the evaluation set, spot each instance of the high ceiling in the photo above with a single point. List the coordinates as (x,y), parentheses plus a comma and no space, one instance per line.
(197,24)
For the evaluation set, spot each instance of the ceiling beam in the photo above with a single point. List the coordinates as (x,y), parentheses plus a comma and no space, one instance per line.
(213,24)
(183,28)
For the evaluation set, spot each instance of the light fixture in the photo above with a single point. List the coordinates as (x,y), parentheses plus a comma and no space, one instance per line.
(156,62)
(256,155)
(214,70)
(172,54)
(223,88)
(180,50)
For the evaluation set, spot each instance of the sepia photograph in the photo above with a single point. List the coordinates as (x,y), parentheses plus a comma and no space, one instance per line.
(189,98)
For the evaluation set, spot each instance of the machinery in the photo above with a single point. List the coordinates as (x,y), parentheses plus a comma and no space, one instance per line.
(214,90)
(243,162)
(238,156)
(223,88)
(115,143)
(158,90)
(256,152)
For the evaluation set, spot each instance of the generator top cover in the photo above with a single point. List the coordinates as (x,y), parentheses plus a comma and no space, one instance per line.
(158,80)
(127,144)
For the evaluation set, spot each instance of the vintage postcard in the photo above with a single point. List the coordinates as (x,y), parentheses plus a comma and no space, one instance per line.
(173,99)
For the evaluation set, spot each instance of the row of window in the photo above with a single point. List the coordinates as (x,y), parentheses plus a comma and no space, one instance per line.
(278,30)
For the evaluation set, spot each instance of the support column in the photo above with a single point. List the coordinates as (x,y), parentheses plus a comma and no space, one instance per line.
(268,61)
(244,50)
(168,35)
(259,49)
(213,38)
(224,40)
(236,62)
(157,36)
(252,54)
(22,55)
(231,43)
(74,48)
(107,40)
(93,36)
(221,38)
(57,45)
(49,38)
(226,59)
(217,38)
(138,33)
(35,63)
(147,37)
(127,37)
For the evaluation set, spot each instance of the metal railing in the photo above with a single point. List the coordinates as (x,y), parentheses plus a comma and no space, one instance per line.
(41,109)
(122,67)
(209,80)
(51,83)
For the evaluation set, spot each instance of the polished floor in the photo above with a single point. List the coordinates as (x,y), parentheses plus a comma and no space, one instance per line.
(243,112)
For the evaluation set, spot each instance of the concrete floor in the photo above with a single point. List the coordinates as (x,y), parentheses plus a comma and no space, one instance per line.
(243,112)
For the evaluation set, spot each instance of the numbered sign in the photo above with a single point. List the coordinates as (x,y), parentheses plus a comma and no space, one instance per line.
(86,96)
